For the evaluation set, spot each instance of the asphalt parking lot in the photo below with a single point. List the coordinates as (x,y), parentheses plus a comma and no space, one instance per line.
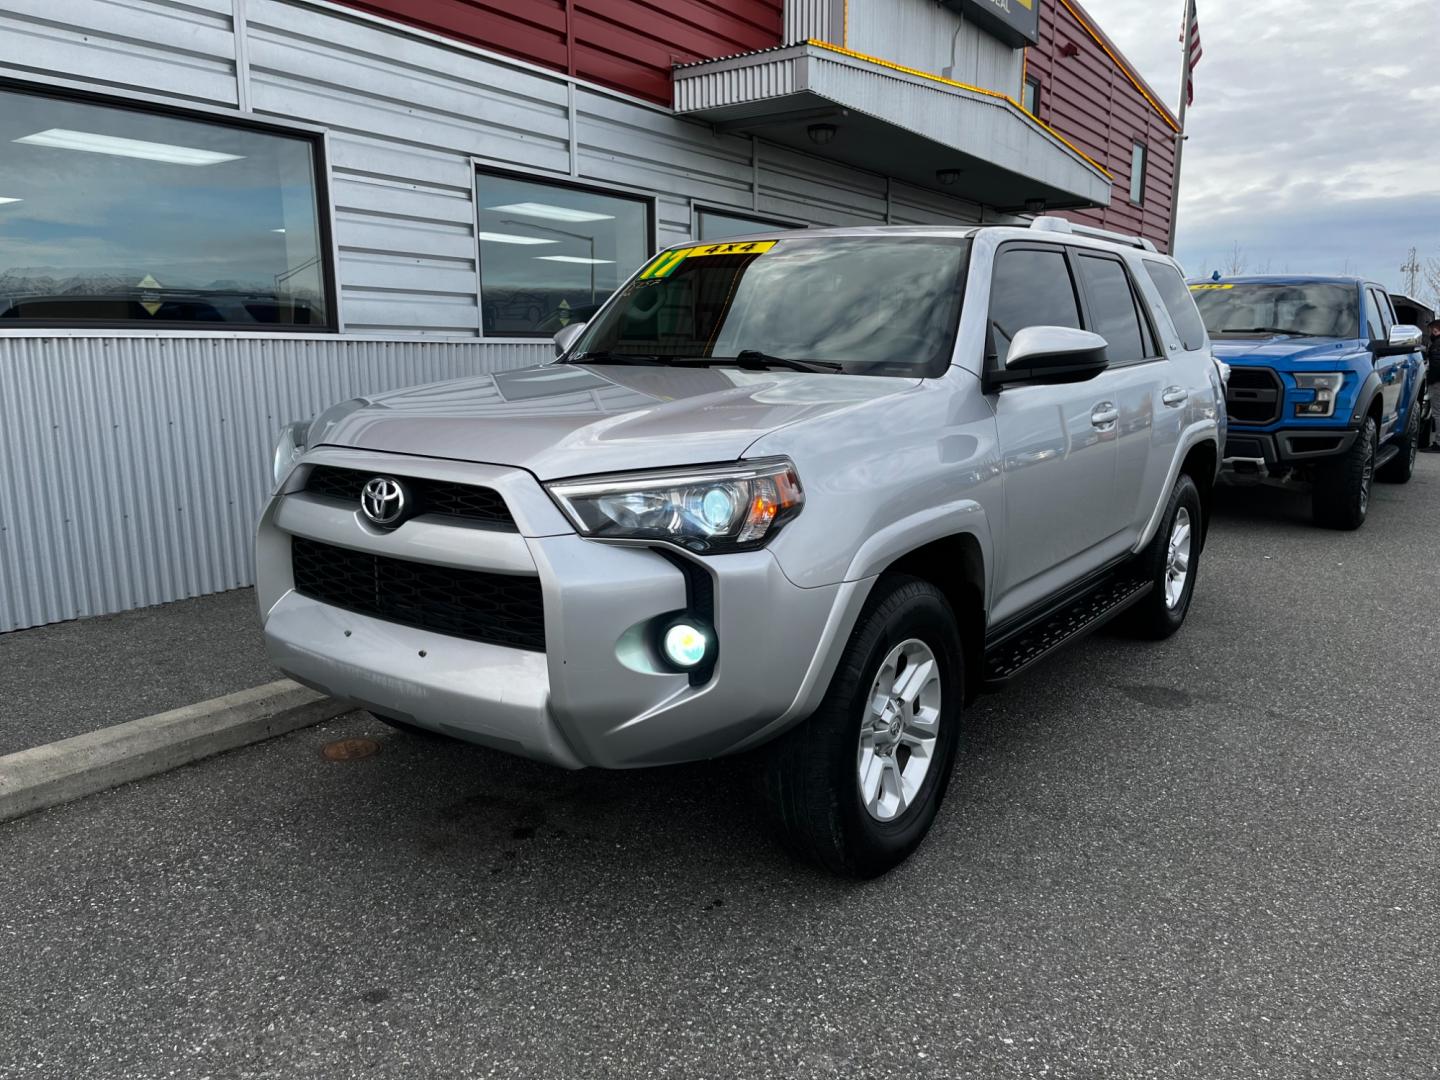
(1214,857)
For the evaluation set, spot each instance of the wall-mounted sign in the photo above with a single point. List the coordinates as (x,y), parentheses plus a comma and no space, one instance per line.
(1015,22)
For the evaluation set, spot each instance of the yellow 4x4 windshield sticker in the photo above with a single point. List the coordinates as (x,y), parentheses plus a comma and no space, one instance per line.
(667,262)
(1202,288)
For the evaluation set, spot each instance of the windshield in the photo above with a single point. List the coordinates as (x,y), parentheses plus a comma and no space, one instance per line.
(1263,309)
(858,305)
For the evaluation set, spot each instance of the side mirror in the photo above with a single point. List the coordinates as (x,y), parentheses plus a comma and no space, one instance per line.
(1051,354)
(566,337)
(1403,338)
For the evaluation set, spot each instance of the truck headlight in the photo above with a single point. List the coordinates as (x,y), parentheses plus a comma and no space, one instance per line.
(1326,385)
(292,442)
(735,508)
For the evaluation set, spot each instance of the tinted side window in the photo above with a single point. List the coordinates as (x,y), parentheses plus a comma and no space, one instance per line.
(1178,302)
(1112,307)
(1387,318)
(1374,321)
(1031,287)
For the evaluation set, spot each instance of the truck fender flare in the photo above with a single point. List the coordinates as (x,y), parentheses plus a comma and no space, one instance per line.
(1191,437)
(1369,390)
(963,516)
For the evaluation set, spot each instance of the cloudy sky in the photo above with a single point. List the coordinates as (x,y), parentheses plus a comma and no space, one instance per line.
(1308,136)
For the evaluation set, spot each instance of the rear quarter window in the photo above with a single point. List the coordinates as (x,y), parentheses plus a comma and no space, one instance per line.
(1178,302)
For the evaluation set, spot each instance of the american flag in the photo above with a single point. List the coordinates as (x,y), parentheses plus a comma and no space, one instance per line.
(1192,48)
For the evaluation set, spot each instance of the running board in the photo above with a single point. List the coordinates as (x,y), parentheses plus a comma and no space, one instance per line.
(1016,651)
(1386,455)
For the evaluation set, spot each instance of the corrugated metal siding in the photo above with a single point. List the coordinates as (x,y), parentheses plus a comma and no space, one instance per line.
(822,20)
(1089,100)
(627,44)
(920,33)
(133,469)
(186,47)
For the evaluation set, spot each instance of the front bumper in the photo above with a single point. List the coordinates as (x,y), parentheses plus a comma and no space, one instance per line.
(593,697)
(1267,451)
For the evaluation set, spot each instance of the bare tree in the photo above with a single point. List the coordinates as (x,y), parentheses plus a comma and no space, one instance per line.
(1432,280)
(1236,263)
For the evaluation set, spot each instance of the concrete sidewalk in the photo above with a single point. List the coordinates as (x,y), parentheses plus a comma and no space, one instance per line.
(71,678)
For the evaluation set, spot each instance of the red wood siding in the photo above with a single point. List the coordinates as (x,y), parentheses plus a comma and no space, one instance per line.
(1091,99)
(626,44)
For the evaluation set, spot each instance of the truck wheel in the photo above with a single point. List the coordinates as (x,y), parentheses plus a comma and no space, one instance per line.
(1427,423)
(1341,498)
(1170,564)
(857,785)
(1401,467)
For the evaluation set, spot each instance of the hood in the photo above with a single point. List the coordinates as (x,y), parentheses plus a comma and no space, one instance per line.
(569,419)
(1281,349)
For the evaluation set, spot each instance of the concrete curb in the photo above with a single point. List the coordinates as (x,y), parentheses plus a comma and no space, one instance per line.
(72,768)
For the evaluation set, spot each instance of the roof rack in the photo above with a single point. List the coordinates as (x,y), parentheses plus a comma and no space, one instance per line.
(1062,225)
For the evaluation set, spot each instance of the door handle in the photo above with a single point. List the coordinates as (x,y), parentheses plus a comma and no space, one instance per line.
(1104,414)
(1174,396)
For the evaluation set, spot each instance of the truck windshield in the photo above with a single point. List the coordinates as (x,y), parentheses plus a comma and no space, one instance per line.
(1262,309)
(853,305)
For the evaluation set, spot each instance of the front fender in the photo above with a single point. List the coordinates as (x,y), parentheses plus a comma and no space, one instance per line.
(1369,389)
(1197,433)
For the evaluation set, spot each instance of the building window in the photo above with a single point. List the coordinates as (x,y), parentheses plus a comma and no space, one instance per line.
(1138,162)
(1031,97)
(113,216)
(551,254)
(719,225)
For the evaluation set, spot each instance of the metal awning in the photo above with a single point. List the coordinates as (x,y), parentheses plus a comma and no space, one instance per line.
(896,121)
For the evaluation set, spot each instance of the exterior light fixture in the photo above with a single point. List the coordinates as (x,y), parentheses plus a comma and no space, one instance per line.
(948,176)
(820,134)
(685,645)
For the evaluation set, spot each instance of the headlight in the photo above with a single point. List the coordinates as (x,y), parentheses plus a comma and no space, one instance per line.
(736,508)
(1326,385)
(294,437)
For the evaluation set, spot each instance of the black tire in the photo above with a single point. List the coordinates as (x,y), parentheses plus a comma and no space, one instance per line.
(415,731)
(1401,467)
(1341,498)
(1154,616)
(811,781)
(1427,422)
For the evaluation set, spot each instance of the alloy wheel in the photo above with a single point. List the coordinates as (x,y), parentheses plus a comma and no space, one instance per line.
(1177,558)
(899,730)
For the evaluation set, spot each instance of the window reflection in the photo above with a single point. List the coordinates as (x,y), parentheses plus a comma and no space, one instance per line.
(551,254)
(111,215)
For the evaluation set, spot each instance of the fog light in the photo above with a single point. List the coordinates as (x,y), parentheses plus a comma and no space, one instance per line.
(685,645)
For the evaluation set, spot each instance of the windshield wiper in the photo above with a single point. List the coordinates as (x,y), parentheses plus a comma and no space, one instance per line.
(1262,330)
(605,357)
(755,360)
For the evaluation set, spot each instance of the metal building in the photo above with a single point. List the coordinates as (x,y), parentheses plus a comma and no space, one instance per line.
(220,215)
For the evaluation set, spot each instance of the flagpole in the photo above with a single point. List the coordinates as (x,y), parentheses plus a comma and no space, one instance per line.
(1185,76)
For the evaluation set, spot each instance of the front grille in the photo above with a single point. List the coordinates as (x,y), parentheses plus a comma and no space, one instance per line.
(1253,395)
(501,609)
(443,497)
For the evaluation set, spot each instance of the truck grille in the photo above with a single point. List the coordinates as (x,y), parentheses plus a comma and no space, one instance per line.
(501,609)
(1253,395)
(442,497)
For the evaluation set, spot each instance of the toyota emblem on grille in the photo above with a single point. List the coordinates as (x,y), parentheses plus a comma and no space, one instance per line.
(383,501)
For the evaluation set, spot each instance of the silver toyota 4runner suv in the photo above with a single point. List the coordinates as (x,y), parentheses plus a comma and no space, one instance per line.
(805,492)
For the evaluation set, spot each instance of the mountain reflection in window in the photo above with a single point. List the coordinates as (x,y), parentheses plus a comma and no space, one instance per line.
(112,216)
